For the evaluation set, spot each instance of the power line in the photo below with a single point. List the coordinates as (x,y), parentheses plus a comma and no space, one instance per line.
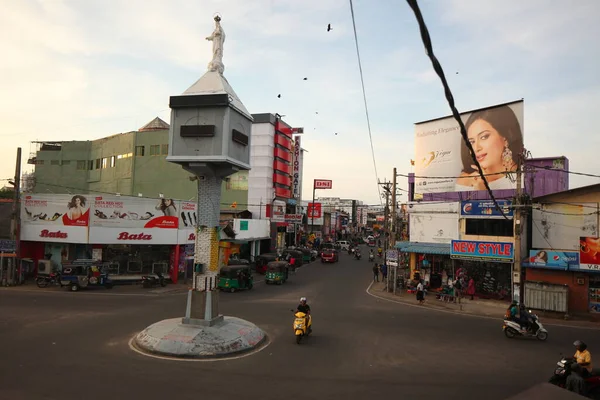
(362,82)
(440,72)
(562,170)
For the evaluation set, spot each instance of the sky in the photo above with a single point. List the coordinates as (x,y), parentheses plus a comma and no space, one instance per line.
(81,70)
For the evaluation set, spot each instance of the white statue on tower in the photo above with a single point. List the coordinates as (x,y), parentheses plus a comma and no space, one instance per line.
(218,38)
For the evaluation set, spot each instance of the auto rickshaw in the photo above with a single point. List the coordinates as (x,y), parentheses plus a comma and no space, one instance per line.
(297,254)
(277,272)
(262,261)
(83,274)
(306,255)
(235,277)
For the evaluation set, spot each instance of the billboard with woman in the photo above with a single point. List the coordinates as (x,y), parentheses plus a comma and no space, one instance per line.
(444,163)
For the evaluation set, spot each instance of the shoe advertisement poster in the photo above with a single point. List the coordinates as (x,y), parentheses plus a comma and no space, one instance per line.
(187,222)
(55,218)
(131,212)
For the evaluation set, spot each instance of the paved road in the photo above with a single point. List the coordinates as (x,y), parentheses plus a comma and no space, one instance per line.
(75,345)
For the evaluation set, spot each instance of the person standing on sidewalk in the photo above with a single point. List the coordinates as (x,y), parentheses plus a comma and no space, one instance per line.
(375,273)
(471,288)
(383,268)
(420,292)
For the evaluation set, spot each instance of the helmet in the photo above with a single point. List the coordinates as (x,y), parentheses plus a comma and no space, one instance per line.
(579,343)
(302,299)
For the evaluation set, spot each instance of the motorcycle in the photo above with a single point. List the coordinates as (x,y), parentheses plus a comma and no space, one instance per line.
(371,257)
(536,329)
(52,279)
(380,253)
(301,326)
(357,255)
(563,370)
(149,281)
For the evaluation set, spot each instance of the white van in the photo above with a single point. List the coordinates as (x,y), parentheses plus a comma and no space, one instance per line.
(343,244)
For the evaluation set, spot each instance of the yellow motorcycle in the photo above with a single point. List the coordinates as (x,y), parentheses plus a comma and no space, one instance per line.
(302,327)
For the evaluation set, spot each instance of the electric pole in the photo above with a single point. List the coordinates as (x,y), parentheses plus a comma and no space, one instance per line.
(15,232)
(394,230)
(517,277)
(387,192)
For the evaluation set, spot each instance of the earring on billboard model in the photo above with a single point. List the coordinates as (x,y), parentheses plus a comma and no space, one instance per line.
(507,157)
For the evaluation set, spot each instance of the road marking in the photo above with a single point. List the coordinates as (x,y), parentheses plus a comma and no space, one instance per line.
(245,354)
(368,291)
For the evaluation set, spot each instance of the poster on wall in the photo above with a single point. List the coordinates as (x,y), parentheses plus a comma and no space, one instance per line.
(589,253)
(554,259)
(187,222)
(486,208)
(55,218)
(278,211)
(444,163)
(133,212)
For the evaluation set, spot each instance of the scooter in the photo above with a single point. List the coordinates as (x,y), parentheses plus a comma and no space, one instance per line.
(371,257)
(301,327)
(357,255)
(563,370)
(52,279)
(149,281)
(513,329)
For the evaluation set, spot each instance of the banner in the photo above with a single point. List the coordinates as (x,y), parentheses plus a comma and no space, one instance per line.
(295,218)
(554,259)
(314,211)
(483,251)
(278,211)
(132,212)
(443,162)
(55,218)
(187,222)
(485,208)
(323,184)
(297,168)
(589,253)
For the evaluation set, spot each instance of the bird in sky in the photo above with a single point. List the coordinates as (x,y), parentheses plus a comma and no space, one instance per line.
(329,27)
(279,96)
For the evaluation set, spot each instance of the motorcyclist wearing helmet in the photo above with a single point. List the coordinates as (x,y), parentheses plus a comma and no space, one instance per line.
(583,357)
(303,307)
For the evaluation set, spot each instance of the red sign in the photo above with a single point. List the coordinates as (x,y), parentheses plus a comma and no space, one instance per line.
(192,236)
(323,184)
(297,218)
(314,210)
(128,236)
(58,234)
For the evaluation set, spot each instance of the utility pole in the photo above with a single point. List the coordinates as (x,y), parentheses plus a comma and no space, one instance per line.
(394,230)
(517,276)
(387,191)
(15,232)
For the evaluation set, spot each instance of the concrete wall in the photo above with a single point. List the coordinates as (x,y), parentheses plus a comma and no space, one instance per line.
(578,293)
(109,178)
(260,178)
(559,226)
(53,178)
(434,223)
(257,229)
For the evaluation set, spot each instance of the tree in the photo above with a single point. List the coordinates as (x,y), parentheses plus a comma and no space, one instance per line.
(7,193)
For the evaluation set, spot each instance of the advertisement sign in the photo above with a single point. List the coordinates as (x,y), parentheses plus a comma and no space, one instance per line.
(554,259)
(142,236)
(323,184)
(314,210)
(484,251)
(55,218)
(187,222)
(132,212)
(589,253)
(443,162)
(485,208)
(297,168)
(295,218)
(278,211)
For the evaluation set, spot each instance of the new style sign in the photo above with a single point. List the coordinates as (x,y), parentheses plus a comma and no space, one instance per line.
(554,259)
(323,184)
(484,251)
(485,208)
(297,168)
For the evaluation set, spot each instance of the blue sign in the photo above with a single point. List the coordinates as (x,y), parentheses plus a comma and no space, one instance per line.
(485,208)
(482,251)
(8,246)
(292,202)
(553,259)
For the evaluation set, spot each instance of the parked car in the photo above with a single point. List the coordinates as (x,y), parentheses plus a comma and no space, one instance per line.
(342,245)
(329,255)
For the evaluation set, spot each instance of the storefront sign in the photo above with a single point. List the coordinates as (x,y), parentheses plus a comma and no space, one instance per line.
(323,184)
(132,212)
(295,218)
(391,255)
(485,208)
(297,168)
(278,211)
(554,259)
(314,210)
(589,254)
(7,246)
(63,234)
(132,236)
(485,251)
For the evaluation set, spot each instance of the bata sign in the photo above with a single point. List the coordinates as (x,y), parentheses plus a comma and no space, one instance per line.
(56,235)
(133,236)
(297,168)
(323,184)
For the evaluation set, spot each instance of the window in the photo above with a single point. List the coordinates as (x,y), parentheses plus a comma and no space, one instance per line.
(104,163)
(164,149)
(112,161)
(66,162)
(139,151)
(155,150)
(97,163)
(81,164)
(91,165)
(39,162)
(54,162)
(489,227)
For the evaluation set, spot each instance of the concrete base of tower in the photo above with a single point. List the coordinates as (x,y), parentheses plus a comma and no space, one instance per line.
(182,338)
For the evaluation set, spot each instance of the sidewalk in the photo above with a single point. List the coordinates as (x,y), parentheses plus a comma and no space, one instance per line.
(477,307)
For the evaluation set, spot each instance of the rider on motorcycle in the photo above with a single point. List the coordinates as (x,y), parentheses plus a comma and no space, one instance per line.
(303,307)
(583,357)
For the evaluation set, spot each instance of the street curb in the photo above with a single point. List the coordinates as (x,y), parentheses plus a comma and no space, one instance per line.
(463,314)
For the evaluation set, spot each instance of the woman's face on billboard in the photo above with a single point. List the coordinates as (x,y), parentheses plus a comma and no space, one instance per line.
(487,143)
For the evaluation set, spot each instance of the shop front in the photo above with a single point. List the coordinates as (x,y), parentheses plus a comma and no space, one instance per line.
(488,263)
(430,262)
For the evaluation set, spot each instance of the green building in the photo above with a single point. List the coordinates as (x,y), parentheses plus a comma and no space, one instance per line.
(131,164)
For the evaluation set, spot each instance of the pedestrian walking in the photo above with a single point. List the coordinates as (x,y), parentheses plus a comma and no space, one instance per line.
(420,292)
(383,268)
(375,273)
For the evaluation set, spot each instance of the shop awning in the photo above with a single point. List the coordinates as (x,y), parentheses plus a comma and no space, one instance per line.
(424,248)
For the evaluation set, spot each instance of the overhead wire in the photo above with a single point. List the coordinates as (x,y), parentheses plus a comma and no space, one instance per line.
(449,97)
(362,82)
